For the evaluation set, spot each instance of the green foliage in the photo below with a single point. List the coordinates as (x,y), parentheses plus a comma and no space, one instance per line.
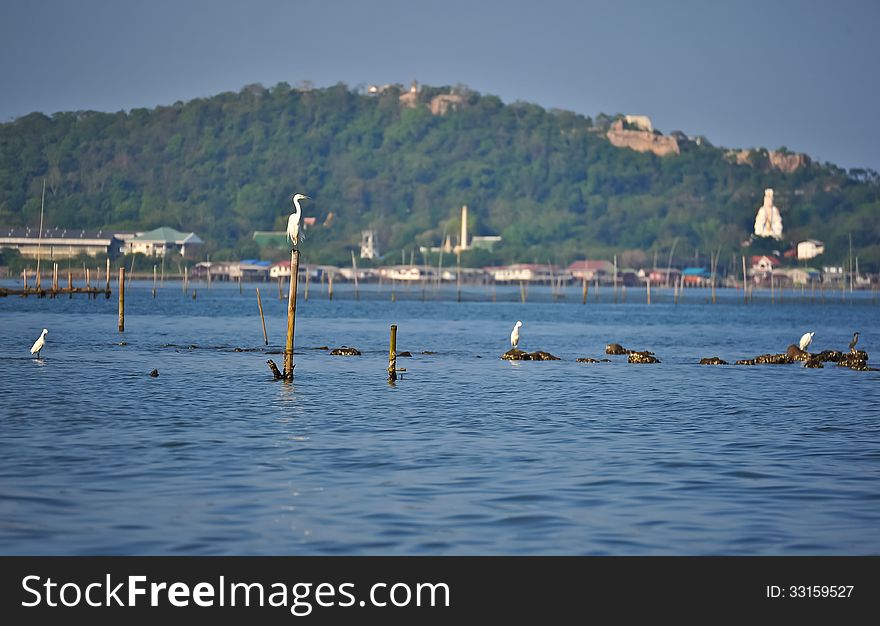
(547,181)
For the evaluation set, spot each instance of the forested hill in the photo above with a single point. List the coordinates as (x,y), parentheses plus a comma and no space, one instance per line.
(549,182)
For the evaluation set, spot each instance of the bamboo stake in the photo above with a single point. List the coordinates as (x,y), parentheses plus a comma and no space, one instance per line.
(262,319)
(306,292)
(40,237)
(291,315)
(354,268)
(121,299)
(392,355)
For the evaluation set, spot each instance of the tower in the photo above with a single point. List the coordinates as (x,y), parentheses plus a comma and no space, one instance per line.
(369,249)
(463,242)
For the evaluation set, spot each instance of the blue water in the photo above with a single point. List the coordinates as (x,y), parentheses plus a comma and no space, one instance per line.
(467,454)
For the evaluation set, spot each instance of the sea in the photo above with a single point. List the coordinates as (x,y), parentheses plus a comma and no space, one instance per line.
(465,454)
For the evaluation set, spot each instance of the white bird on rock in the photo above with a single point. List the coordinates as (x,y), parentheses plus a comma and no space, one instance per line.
(295,218)
(39,343)
(805,341)
(514,334)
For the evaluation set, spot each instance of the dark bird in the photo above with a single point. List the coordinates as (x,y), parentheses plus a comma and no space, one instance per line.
(852,344)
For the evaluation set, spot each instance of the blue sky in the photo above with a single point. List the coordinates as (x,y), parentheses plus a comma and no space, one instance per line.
(743,73)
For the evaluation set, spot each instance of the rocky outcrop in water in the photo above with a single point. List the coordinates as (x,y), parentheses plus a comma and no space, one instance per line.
(767,359)
(345,351)
(591,360)
(712,360)
(520,355)
(616,348)
(641,357)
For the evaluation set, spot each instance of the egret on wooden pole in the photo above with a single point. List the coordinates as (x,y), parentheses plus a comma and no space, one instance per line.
(293,234)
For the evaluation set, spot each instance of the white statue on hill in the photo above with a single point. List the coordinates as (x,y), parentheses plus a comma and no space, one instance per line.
(768,221)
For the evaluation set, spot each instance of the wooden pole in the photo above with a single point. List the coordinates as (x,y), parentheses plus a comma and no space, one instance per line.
(131,271)
(330,285)
(24,280)
(185,279)
(154,280)
(392,355)
(69,281)
(280,288)
(239,281)
(55,277)
(522,291)
(121,299)
(458,276)
(745,282)
(107,286)
(354,270)
(615,279)
(306,293)
(394,290)
(291,315)
(40,237)
(597,287)
(262,319)
(584,288)
(88,279)
(772,288)
(648,289)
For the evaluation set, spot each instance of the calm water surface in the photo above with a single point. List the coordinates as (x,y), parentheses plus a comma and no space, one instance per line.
(468,454)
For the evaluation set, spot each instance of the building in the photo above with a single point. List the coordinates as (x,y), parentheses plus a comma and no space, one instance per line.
(810,249)
(590,270)
(369,245)
(161,241)
(59,243)
(485,242)
(764,263)
(696,277)
(524,272)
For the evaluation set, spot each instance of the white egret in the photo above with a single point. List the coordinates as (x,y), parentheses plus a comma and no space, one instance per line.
(295,218)
(852,344)
(805,341)
(39,343)
(514,334)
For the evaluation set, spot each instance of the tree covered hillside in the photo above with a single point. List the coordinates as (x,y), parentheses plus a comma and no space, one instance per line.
(548,182)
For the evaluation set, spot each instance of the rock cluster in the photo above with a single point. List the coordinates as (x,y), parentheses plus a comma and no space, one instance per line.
(345,351)
(591,360)
(641,357)
(712,360)
(520,355)
(767,359)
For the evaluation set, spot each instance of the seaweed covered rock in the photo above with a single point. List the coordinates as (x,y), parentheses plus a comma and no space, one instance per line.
(853,361)
(712,360)
(616,348)
(520,355)
(796,354)
(404,353)
(591,360)
(813,362)
(345,351)
(767,359)
(641,357)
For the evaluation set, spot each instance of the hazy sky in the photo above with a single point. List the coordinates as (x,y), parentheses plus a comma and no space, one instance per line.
(768,73)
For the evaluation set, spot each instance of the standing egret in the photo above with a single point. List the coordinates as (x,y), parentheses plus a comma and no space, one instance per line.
(514,334)
(852,344)
(39,343)
(805,341)
(295,218)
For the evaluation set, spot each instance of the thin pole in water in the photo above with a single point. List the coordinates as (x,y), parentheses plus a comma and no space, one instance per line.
(392,355)
(291,315)
(121,299)
(262,319)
